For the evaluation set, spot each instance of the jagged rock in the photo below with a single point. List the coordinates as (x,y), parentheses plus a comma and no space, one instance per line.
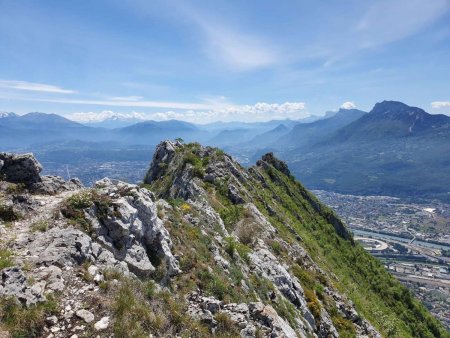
(14,284)
(275,162)
(161,158)
(233,195)
(268,315)
(133,230)
(86,315)
(268,266)
(247,317)
(22,168)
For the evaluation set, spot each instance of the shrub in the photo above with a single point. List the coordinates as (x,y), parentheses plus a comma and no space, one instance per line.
(225,326)
(15,188)
(277,247)
(6,258)
(313,304)
(40,226)
(185,208)
(8,214)
(230,246)
(247,232)
(231,214)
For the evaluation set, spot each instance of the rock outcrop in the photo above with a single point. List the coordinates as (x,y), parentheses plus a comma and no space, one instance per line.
(131,229)
(20,168)
(25,169)
(14,284)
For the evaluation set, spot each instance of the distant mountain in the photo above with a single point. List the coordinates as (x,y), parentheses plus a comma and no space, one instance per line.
(34,128)
(305,134)
(262,126)
(112,120)
(5,114)
(270,136)
(232,137)
(152,132)
(113,123)
(393,119)
(394,150)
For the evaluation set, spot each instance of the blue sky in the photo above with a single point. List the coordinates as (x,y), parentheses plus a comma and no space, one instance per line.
(222,60)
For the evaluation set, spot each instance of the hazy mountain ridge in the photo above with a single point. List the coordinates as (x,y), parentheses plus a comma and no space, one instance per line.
(350,151)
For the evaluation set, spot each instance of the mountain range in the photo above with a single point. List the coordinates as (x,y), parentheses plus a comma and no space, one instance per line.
(394,149)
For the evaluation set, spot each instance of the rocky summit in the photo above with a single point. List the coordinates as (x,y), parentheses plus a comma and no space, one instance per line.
(203,247)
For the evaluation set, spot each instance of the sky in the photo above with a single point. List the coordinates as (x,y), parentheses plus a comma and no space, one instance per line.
(205,61)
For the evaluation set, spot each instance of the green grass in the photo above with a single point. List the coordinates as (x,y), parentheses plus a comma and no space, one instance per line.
(40,226)
(139,310)
(24,322)
(387,304)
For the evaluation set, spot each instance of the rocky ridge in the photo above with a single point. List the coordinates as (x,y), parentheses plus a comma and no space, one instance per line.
(204,247)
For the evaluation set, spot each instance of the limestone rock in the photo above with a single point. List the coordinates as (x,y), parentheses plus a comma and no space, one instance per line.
(61,247)
(14,284)
(132,229)
(102,324)
(86,315)
(51,185)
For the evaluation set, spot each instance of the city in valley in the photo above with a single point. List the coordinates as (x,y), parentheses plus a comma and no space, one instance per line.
(411,239)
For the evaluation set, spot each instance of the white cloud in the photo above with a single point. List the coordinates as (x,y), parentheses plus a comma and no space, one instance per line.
(32,86)
(348,105)
(440,104)
(105,115)
(260,111)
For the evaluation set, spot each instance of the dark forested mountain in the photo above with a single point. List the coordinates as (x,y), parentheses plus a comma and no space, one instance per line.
(390,119)
(393,150)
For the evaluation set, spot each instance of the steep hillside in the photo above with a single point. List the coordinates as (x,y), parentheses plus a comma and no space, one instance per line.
(392,119)
(204,247)
(307,134)
(394,150)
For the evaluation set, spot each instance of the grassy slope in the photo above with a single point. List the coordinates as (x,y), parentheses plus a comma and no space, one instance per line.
(388,305)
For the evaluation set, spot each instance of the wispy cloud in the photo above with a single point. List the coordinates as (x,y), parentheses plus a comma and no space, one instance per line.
(33,86)
(260,111)
(125,103)
(390,20)
(440,104)
(235,47)
(126,98)
(348,105)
